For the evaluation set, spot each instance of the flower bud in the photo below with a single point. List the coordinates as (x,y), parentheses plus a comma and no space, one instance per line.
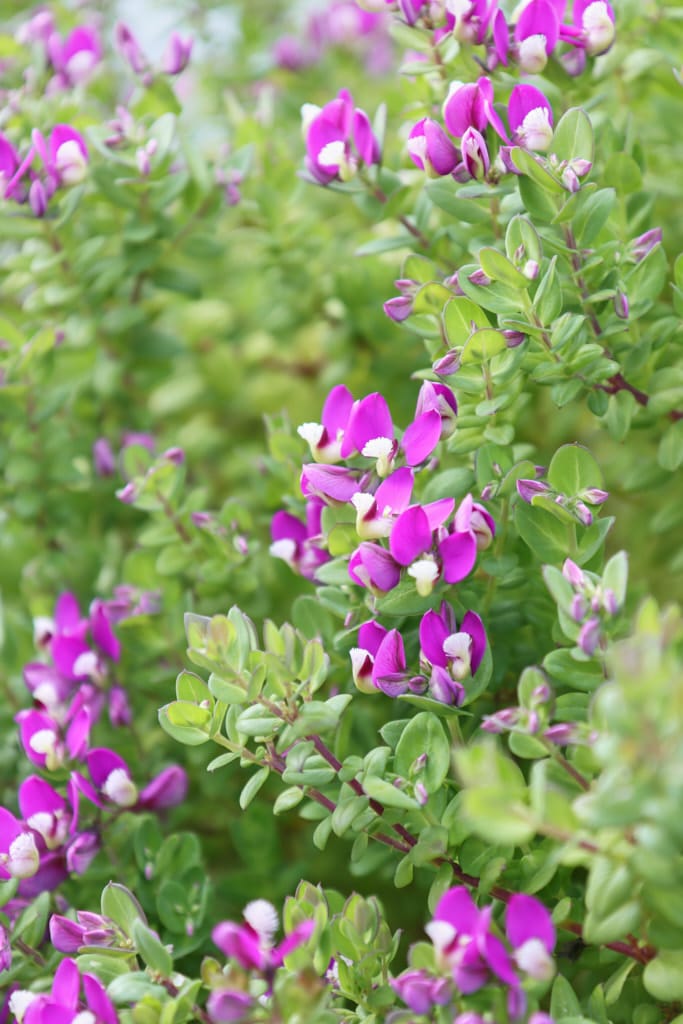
(598,28)
(176,55)
(621,306)
(399,308)
(531,54)
(475,154)
(528,489)
(589,636)
(449,364)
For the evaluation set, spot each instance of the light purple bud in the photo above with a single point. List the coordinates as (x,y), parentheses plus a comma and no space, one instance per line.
(583,513)
(475,154)
(595,496)
(119,708)
(570,179)
(621,306)
(127,494)
(37,197)
(174,455)
(487,492)
(530,269)
(421,794)
(589,636)
(399,308)
(573,574)
(66,935)
(103,457)
(578,608)
(479,278)
(201,519)
(609,602)
(449,364)
(176,55)
(644,244)
(5,950)
(528,489)
(561,733)
(513,338)
(129,48)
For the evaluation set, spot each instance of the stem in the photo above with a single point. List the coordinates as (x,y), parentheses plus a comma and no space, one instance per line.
(30,952)
(175,522)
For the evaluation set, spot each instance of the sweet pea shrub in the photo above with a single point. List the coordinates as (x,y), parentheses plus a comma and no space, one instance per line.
(341,382)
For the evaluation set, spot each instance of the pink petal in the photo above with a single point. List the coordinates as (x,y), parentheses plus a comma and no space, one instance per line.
(523,99)
(370,418)
(102,762)
(102,633)
(370,636)
(438,511)
(526,918)
(372,565)
(395,491)
(36,795)
(459,553)
(333,482)
(433,632)
(457,907)
(421,437)
(411,535)
(473,625)
(337,409)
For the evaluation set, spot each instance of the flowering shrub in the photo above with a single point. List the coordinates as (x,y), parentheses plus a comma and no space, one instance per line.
(431,607)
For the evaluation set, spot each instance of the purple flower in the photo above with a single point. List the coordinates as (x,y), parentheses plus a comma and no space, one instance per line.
(77,56)
(594,19)
(640,246)
(474,517)
(466,107)
(528,489)
(370,431)
(530,930)
(370,636)
(103,457)
(295,542)
(420,991)
(376,513)
(228,1006)
(431,149)
(464,944)
(339,138)
(440,398)
(531,118)
(325,438)
(19,854)
(129,48)
(398,308)
(589,636)
(64,1004)
(450,654)
(475,155)
(536,34)
(251,944)
(389,671)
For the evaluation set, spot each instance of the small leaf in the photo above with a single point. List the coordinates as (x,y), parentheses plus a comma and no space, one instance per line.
(252,787)
(119,904)
(499,268)
(151,949)
(573,136)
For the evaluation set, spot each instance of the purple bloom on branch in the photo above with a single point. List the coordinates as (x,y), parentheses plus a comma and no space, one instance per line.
(339,139)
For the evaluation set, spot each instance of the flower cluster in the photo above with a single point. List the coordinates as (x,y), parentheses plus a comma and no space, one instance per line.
(339,140)
(54,835)
(252,951)
(469,953)
(62,160)
(343,23)
(74,996)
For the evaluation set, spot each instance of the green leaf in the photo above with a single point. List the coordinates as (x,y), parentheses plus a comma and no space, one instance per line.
(288,799)
(547,300)
(563,1001)
(460,318)
(545,535)
(615,576)
(499,268)
(252,787)
(403,875)
(185,722)
(529,165)
(119,904)
(443,195)
(390,796)
(593,213)
(521,236)
(573,469)
(151,949)
(424,734)
(227,691)
(573,136)
(670,451)
(133,987)
(31,924)
(483,345)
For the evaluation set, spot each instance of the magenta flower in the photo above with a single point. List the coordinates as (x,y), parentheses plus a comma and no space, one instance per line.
(339,139)
(47,744)
(464,943)
(398,308)
(438,397)
(19,854)
(370,431)
(88,929)
(420,991)
(376,513)
(251,944)
(9,161)
(325,438)
(295,542)
(329,483)
(418,543)
(466,107)
(390,672)
(531,933)
(129,48)
(229,1006)
(431,149)
(536,34)
(449,654)
(76,57)
(473,516)
(594,20)
(475,155)
(370,636)
(64,1003)
(112,784)
(531,118)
